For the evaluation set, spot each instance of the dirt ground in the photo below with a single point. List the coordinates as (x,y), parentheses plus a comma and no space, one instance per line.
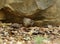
(14,33)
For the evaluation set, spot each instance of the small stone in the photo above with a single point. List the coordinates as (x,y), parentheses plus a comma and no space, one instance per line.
(35,30)
(28,22)
(18,42)
(50,26)
(6,33)
(1,29)
(29,42)
(26,38)
(1,41)
(4,42)
(11,38)
(47,42)
(15,25)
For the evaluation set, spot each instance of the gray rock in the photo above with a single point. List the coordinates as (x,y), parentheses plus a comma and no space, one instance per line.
(28,22)
(30,7)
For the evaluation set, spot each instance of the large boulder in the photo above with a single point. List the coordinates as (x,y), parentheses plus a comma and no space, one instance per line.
(29,7)
(52,14)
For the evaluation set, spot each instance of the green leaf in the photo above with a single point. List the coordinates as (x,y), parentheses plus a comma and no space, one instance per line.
(38,39)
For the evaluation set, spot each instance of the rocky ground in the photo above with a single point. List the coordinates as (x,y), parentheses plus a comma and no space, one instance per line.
(14,33)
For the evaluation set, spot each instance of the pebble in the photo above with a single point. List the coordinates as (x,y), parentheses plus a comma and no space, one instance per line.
(15,25)
(28,22)
(18,42)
